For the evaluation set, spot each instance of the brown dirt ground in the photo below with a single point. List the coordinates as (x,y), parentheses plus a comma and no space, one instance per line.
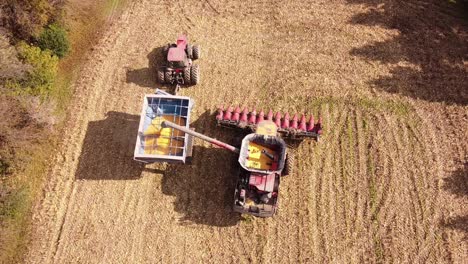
(388,182)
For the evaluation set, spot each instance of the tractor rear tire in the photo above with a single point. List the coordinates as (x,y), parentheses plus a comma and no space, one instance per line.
(168,77)
(195,74)
(189,51)
(187,77)
(289,164)
(161,76)
(196,52)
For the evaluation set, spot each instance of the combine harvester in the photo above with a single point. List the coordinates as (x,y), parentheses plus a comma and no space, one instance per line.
(164,136)
(262,160)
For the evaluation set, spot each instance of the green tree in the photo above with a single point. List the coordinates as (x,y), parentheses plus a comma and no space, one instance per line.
(54,38)
(44,69)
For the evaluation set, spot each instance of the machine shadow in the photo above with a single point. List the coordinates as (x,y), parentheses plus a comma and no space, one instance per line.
(204,189)
(457,184)
(429,54)
(146,77)
(107,152)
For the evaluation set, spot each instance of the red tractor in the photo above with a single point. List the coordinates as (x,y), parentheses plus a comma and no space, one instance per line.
(179,68)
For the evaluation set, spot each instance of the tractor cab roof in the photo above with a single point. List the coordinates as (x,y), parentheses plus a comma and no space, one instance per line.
(176,54)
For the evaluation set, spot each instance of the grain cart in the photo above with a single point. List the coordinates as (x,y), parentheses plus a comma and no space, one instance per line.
(179,68)
(156,144)
(262,159)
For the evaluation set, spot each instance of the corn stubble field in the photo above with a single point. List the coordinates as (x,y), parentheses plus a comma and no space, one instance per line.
(387,182)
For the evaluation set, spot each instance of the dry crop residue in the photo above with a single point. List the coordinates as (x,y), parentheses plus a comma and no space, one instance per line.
(377,188)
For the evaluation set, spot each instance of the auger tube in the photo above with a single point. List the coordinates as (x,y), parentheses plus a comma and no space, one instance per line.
(200,136)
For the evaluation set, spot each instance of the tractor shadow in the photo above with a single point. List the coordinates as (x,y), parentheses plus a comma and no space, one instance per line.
(457,184)
(428,55)
(146,77)
(107,152)
(204,190)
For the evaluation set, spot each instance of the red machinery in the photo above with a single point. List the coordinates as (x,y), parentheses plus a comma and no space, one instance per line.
(179,68)
(294,127)
(263,160)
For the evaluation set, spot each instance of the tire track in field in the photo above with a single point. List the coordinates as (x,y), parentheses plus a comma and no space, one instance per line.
(387,209)
(352,175)
(429,169)
(410,196)
(307,179)
(361,134)
(322,192)
(367,190)
(426,195)
(346,151)
(315,165)
(407,199)
(393,215)
(336,188)
(417,192)
(386,175)
(433,250)
(386,190)
(349,154)
(384,164)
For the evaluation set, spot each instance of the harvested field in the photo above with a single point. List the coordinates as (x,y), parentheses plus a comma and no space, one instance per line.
(387,182)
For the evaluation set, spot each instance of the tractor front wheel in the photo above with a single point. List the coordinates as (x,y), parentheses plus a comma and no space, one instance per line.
(187,79)
(196,52)
(189,51)
(161,76)
(195,74)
